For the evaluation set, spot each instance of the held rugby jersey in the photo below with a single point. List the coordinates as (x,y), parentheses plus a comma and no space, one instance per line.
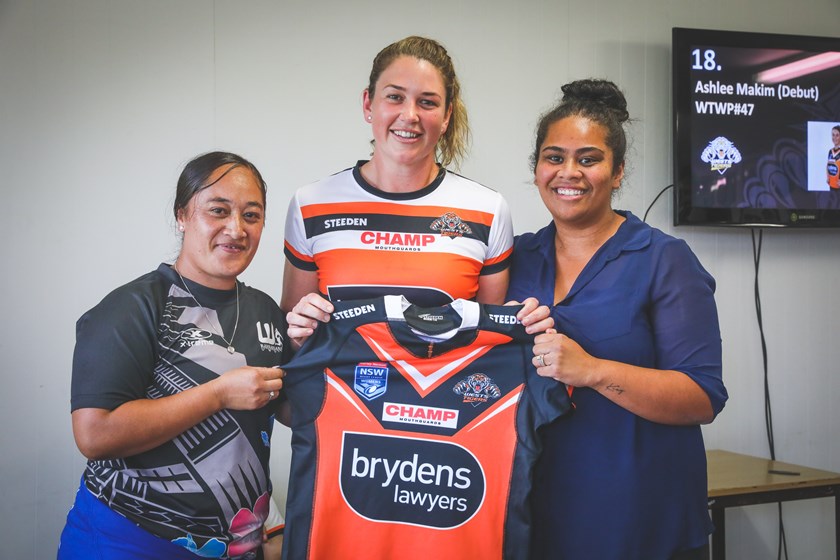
(365,243)
(414,433)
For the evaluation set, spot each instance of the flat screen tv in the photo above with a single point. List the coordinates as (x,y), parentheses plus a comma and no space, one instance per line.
(756,129)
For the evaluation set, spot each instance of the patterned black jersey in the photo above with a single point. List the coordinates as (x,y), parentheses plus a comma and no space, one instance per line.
(208,489)
(414,433)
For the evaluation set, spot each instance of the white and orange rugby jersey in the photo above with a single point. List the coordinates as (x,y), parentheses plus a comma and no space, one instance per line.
(833,168)
(430,245)
(414,433)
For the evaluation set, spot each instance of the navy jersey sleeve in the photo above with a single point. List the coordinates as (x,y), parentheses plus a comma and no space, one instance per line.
(116,350)
(317,352)
(547,398)
(550,398)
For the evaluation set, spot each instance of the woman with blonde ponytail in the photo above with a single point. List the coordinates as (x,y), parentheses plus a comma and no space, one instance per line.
(400,223)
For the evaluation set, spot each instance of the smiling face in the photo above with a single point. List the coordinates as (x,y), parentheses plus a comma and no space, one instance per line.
(407,111)
(222,226)
(574,172)
(835,137)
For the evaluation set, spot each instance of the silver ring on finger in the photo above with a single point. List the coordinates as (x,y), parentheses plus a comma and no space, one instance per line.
(541,360)
(270,395)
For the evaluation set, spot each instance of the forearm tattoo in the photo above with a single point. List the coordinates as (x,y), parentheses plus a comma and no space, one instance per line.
(615,388)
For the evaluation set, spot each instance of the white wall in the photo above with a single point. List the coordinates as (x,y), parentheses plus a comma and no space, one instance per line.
(103,101)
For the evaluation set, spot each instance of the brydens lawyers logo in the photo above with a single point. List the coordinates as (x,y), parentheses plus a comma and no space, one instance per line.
(371,379)
(412,481)
(418,414)
(451,225)
(477,389)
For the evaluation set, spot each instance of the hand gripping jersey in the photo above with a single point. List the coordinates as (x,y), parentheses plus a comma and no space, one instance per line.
(365,243)
(414,433)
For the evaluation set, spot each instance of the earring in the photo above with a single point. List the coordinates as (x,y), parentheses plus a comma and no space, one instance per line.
(181,227)
(369,117)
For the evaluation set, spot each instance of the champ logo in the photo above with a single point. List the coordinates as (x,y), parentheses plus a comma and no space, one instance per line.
(391,241)
(477,389)
(721,154)
(371,379)
(450,225)
(414,481)
(418,414)
(270,337)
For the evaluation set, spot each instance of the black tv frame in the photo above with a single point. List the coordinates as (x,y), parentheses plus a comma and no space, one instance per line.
(756,199)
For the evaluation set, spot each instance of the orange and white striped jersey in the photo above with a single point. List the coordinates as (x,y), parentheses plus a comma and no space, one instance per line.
(833,168)
(430,245)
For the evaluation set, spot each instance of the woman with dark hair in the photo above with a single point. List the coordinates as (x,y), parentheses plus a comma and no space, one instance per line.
(637,336)
(400,223)
(174,390)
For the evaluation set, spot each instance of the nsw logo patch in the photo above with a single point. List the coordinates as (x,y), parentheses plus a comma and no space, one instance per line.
(371,379)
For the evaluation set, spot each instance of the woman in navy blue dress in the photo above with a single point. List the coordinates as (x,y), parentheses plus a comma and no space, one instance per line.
(636,333)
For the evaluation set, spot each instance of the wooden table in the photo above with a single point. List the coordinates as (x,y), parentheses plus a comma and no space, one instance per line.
(742,480)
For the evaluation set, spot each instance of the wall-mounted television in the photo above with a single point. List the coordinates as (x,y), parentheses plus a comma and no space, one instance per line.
(755,142)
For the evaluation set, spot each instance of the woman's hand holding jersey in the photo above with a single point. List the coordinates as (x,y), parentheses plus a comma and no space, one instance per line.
(142,424)
(313,308)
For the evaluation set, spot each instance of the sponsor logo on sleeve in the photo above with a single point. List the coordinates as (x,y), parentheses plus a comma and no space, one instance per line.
(414,481)
(477,389)
(371,379)
(418,414)
(354,311)
(504,319)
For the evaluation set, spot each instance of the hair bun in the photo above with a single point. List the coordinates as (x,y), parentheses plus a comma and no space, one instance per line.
(600,92)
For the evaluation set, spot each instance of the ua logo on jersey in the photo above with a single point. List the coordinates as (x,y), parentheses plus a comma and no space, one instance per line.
(371,379)
(270,337)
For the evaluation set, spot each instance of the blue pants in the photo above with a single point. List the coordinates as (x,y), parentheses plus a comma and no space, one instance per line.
(96,532)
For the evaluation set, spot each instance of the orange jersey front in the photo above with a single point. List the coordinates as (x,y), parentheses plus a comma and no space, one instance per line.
(832,169)
(430,246)
(410,445)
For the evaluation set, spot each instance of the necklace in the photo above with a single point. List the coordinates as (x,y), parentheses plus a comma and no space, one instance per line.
(230,347)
